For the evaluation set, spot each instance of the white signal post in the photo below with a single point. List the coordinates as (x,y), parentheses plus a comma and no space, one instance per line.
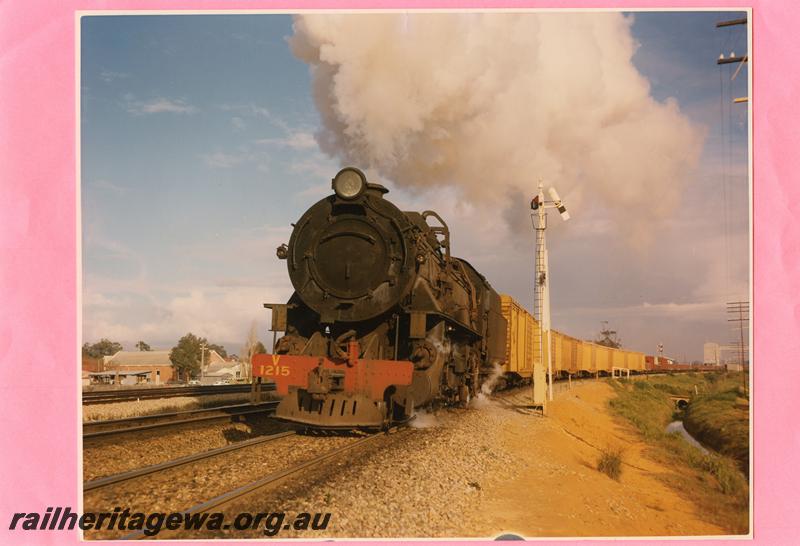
(542,283)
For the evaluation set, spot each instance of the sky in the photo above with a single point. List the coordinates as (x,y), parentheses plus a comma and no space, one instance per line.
(204,136)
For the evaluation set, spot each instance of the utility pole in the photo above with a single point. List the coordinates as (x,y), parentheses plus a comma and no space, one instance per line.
(202,359)
(740,310)
(733,58)
(541,301)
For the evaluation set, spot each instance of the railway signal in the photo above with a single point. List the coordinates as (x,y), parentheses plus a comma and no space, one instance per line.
(541,301)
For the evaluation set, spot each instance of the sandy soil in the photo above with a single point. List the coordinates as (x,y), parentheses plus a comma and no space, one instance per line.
(556,490)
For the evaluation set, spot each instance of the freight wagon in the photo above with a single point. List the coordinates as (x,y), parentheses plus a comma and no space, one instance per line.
(568,356)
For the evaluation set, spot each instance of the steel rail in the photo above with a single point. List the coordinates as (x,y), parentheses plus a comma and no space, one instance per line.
(144,471)
(102,433)
(167,414)
(243,490)
(161,391)
(112,396)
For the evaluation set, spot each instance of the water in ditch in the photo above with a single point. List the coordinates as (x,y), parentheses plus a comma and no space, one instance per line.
(677,426)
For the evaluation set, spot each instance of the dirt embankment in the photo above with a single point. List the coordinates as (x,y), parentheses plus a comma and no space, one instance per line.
(556,489)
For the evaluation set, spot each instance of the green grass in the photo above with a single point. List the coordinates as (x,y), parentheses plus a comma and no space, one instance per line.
(720,420)
(712,481)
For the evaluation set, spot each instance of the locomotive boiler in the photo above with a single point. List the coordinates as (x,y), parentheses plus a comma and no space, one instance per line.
(383,319)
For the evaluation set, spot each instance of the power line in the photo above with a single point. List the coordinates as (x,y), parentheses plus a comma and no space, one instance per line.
(740,310)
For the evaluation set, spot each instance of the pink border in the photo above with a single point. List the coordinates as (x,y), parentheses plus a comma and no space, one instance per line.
(38,248)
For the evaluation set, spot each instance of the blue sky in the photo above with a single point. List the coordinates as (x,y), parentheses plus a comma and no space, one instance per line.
(198,150)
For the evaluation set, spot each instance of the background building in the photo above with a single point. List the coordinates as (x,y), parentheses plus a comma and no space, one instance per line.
(156,363)
(711,353)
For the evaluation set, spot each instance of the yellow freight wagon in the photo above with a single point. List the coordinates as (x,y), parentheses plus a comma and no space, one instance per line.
(603,358)
(563,348)
(634,361)
(585,358)
(568,355)
(556,352)
(618,358)
(520,342)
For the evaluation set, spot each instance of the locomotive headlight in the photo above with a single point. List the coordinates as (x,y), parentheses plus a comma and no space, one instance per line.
(349,183)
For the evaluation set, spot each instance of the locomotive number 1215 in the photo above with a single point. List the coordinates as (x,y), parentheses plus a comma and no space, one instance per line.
(274,370)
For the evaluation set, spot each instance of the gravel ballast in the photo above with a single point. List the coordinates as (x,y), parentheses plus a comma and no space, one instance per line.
(417,482)
(122,452)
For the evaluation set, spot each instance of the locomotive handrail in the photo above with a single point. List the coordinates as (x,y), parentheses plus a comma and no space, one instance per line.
(443,229)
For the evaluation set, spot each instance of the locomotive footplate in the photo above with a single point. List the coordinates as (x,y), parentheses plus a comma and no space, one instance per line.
(324,392)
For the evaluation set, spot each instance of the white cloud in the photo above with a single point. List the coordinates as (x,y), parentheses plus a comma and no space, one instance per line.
(298,140)
(317,191)
(218,303)
(158,105)
(220,313)
(253,110)
(316,166)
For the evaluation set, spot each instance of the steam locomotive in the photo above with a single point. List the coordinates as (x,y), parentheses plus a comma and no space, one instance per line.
(383,319)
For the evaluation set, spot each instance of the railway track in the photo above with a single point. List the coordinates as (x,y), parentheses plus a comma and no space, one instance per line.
(126,395)
(152,469)
(262,482)
(99,429)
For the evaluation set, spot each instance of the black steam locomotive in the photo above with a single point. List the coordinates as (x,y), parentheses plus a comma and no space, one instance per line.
(383,318)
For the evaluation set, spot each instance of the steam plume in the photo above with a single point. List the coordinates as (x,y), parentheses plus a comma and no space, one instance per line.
(491,102)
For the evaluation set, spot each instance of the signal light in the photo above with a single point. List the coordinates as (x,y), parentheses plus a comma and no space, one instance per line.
(562,210)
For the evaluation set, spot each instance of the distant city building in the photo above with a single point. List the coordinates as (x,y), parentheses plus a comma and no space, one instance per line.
(711,353)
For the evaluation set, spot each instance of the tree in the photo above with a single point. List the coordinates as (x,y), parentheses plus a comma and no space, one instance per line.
(142,346)
(185,356)
(104,347)
(214,347)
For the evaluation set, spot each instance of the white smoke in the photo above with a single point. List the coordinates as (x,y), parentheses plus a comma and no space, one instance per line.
(482,399)
(491,382)
(492,102)
(424,419)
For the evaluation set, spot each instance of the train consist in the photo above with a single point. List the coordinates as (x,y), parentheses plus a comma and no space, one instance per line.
(384,319)
(572,356)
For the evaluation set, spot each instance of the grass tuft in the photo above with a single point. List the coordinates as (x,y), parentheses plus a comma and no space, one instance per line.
(610,462)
